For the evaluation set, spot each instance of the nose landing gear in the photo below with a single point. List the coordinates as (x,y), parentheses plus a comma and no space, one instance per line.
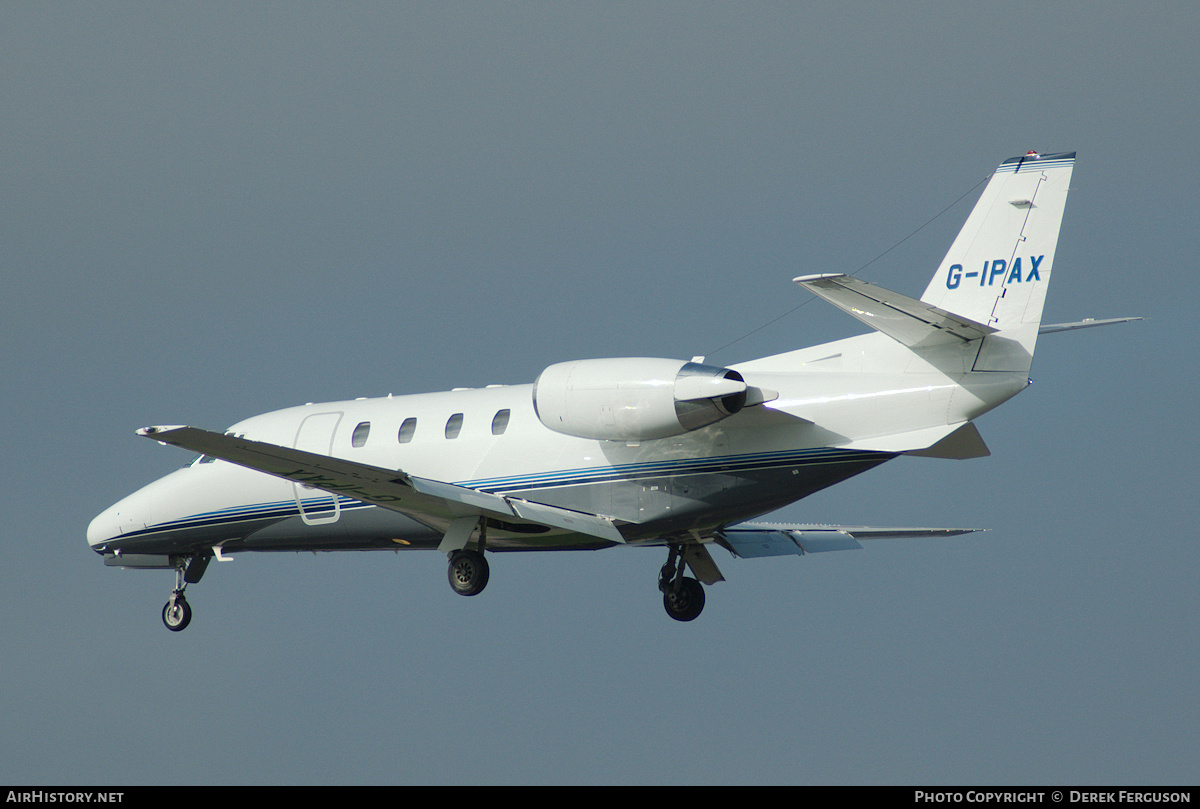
(177,613)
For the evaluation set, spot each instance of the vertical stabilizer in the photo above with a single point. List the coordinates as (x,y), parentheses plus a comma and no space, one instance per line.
(998,268)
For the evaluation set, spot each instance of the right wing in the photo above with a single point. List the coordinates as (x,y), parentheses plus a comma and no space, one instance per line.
(752,540)
(431,502)
(1086,323)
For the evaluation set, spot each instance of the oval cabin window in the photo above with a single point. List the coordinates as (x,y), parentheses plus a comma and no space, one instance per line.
(406,430)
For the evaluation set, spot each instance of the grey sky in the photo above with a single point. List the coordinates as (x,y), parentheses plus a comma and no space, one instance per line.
(213,210)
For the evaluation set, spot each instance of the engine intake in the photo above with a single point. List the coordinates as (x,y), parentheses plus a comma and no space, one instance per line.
(636,398)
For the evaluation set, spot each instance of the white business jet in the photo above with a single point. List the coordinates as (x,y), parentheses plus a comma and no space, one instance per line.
(656,452)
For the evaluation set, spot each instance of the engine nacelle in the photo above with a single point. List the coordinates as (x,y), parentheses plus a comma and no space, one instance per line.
(636,398)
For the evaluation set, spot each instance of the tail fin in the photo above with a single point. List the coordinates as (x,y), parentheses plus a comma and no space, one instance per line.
(998,268)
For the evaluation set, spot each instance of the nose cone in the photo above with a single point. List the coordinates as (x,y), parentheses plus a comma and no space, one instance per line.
(104,527)
(132,513)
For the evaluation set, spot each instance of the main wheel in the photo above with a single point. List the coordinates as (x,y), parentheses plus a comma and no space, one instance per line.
(685,601)
(468,572)
(177,614)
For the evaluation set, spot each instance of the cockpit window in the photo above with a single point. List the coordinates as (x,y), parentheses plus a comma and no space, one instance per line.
(406,430)
(359,437)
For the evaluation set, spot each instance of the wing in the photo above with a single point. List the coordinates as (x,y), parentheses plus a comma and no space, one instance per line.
(429,501)
(752,540)
(914,323)
(1086,323)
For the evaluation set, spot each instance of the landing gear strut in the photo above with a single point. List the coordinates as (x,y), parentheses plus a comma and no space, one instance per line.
(683,597)
(177,613)
(468,570)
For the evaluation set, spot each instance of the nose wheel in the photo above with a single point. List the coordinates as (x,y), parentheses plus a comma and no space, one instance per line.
(177,613)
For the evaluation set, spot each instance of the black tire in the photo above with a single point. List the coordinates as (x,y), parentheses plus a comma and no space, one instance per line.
(468,572)
(685,602)
(177,614)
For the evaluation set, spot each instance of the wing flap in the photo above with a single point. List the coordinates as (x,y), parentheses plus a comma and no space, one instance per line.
(754,543)
(578,521)
(756,540)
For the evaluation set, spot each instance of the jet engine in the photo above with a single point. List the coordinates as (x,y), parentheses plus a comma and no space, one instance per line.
(635,398)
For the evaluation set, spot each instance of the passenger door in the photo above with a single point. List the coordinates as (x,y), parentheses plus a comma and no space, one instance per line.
(316,435)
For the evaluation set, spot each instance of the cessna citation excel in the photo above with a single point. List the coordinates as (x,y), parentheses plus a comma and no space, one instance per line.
(666,453)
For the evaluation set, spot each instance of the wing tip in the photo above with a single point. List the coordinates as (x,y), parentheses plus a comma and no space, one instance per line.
(151,432)
(805,279)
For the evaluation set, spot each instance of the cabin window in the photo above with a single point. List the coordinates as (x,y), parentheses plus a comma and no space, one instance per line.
(454,425)
(500,422)
(359,437)
(406,430)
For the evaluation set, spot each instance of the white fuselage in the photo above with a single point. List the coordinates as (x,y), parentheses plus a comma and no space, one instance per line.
(632,450)
(837,409)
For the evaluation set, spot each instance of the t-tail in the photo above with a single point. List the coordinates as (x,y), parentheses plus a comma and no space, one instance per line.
(999,266)
(983,308)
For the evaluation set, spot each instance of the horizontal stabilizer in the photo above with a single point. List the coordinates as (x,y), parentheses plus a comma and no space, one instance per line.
(753,540)
(431,502)
(914,323)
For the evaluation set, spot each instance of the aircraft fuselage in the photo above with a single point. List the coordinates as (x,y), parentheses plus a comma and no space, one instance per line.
(647,451)
(490,439)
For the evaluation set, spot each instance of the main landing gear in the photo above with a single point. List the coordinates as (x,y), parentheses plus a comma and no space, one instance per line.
(683,596)
(468,572)
(468,569)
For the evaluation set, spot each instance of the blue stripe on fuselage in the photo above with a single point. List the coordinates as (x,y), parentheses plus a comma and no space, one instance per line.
(284,509)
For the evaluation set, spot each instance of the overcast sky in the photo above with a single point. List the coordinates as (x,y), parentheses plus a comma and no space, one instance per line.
(209,211)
